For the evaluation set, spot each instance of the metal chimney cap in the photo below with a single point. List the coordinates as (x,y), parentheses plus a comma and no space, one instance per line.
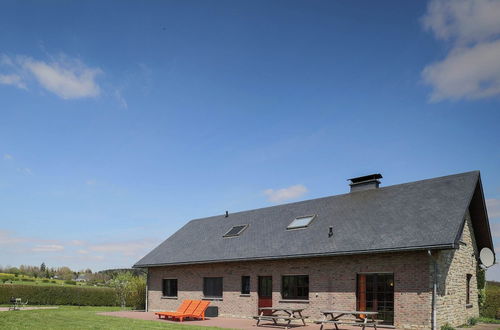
(370,177)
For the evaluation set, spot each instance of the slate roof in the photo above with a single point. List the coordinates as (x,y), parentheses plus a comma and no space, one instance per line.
(418,215)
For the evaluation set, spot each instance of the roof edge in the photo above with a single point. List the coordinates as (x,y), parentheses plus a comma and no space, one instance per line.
(298,256)
(444,177)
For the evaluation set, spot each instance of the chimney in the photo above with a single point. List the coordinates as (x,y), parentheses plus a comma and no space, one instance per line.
(365,182)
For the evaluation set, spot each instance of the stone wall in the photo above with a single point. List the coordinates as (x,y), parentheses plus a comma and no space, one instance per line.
(453,267)
(332,284)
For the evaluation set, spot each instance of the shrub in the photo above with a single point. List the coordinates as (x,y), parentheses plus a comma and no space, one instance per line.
(45,280)
(53,281)
(59,295)
(70,282)
(447,326)
(137,293)
(492,302)
(24,279)
(471,321)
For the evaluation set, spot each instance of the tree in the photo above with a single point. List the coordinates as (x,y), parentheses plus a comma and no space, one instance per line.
(65,273)
(121,285)
(42,267)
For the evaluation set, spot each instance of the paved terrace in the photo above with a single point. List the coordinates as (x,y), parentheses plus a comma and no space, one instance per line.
(233,323)
(221,322)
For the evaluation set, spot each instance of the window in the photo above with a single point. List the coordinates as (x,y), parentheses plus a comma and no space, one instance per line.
(170,287)
(235,231)
(212,287)
(301,222)
(295,287)
(245,285)
(467,297)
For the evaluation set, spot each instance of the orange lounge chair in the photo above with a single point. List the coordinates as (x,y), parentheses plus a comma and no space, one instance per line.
(182,309)
(199,312)
(189,311)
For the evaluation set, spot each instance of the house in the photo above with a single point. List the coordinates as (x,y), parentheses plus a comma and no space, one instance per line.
(409,251)
(81,278)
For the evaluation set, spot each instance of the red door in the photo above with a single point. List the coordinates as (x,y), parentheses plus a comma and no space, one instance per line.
(265,292)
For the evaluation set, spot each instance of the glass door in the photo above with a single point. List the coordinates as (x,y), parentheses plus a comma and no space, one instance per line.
(375,292)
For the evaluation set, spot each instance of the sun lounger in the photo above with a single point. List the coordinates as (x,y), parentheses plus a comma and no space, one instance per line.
(182,309)
(199,312)
(188,313)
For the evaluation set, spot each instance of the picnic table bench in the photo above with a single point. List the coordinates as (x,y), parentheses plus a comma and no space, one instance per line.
(357,318)
(16,304)
(287,315)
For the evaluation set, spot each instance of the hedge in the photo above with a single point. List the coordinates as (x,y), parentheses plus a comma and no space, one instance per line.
(58,295)
(491,305)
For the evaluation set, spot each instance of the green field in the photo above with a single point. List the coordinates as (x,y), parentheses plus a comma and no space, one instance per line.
(27,280)
(68,317)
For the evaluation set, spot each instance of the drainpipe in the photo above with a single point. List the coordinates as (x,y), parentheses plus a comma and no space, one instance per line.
(434,289)
(147,283)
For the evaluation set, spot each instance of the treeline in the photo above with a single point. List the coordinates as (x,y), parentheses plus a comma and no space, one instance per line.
(67,274)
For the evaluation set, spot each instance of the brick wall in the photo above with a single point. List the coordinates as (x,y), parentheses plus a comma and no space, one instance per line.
(332,284)
(454,265)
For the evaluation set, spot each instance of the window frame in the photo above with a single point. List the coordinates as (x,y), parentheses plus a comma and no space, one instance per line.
(226,235)
(245,285)
(206,293)
(375,290)
(468,279)
(164,287)
(294,287)
(290,227)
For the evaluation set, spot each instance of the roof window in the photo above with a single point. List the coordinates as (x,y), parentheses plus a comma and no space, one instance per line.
(235,231)
(301,222)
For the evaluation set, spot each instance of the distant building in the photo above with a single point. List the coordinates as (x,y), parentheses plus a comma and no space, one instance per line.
(409,251)
(81,278)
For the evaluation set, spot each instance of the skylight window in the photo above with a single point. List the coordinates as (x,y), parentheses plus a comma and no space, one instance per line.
(236,231)
(301,222)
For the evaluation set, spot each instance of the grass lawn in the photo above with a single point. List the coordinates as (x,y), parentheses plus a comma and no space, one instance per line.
(70,317)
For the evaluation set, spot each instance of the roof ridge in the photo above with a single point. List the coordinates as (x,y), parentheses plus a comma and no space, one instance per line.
(439,178)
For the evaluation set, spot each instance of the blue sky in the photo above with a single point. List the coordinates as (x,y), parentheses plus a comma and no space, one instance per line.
(120,120)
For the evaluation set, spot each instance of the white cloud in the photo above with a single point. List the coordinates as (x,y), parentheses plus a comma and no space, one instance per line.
(471,69)
(90,182)
(495,230)
(130,248)
(493,207)
(48,248)
(285,194)
(82,251)
(68,79)
(12,79)
(7,238)
(65,77)
(463,21)
(120,99)
(25,170)
(8,157)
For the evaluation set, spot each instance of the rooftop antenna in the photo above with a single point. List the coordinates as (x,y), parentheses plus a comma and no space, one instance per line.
(330,231)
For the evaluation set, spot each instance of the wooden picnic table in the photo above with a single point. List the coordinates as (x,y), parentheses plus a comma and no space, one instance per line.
(361,318)
(16,304)
(281,313)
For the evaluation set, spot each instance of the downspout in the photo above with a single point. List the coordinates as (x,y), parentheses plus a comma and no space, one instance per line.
(434,289)
(147,291)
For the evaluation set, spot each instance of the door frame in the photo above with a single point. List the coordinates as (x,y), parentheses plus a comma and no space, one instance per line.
(266,300)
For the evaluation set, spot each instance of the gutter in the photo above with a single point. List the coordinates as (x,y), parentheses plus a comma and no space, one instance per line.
(434,289)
